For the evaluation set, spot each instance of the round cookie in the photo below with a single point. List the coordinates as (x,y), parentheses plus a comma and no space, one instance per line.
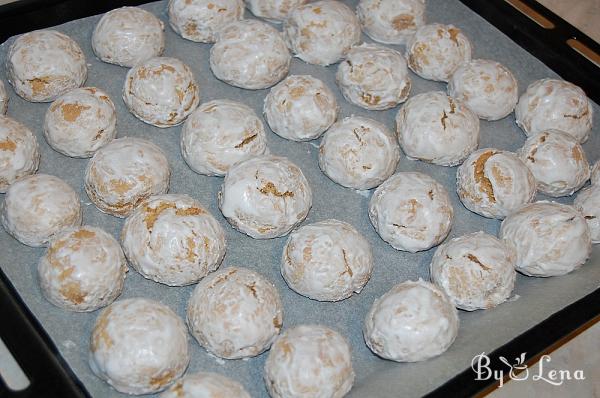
(80,122)
(327,261)
(19,152)
(205,385)
(300,108)
(413,321)
(373,77)
(494,183)
(161,91)
(43,64)
(487,87)
(391,21)
(595,174)
(127,36)
(557,161)
(555,104)
(436,128)
(321,32)
(476,271)
(588,203)
(265,196)
(411,211)
(250,54)
(275,11)
(173,239)
(37,207)
(139,346)
(3,99)
(219,134)
(201,20)
(550,238)
(309,361)
(436,51)
(235,313)
(358,153)
(124,173)
(83,269)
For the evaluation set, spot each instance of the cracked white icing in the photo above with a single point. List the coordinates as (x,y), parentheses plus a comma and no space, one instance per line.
(205,385)
(391,21)
(201,20)
(275,11)
(19,152)
(588,203)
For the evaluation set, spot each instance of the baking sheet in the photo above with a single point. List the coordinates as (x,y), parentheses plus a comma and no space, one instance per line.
(534,300)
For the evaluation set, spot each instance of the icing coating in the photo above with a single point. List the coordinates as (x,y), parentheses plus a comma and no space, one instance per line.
(161,91)
(80,122)
(19,152)
(125,172)
(139,346)
(275,11)
(219,134)
(588,203)
(43,64)
(309,361)
(550,238)
(413,321)
(127,36)
(476,271)
(3,99)
(358,152)
(436,128)
(487,87)
(173,239)
(250,54)
(411,211)
(37,207)
(265,196)
(391,21)
(557,161)
(83,269)
(595,173)
(235,313)
(201,20)
(300,108)
(321,32)
(205,385)
(373,77)
(494,183)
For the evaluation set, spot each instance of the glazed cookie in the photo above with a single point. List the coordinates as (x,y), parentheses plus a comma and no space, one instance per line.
(43,64)
(411,211)
(358,153)
(83,269)
(436,51)
(550,238)
(127,36)
(313,350)
(139,346)
(373,77)
(124,173)
(436,128)
(250,54)
(476,271)
(235,313)
(219,134)
(201,20)
(3,99)
(161,91)
(275,11)
(413,321)
(173,239)
(487,87)
(19,152)
(557,161)
(555,104)
(391,21)
(327,261)
(265,196)
(321,32)
(300,108)
(588,203)
(37,207)
(205,385)
(595,173)
(494,183)
(80,122)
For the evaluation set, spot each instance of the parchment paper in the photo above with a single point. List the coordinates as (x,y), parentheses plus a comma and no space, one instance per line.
(479,331)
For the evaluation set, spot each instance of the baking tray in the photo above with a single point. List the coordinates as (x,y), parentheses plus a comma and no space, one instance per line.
(50,343)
